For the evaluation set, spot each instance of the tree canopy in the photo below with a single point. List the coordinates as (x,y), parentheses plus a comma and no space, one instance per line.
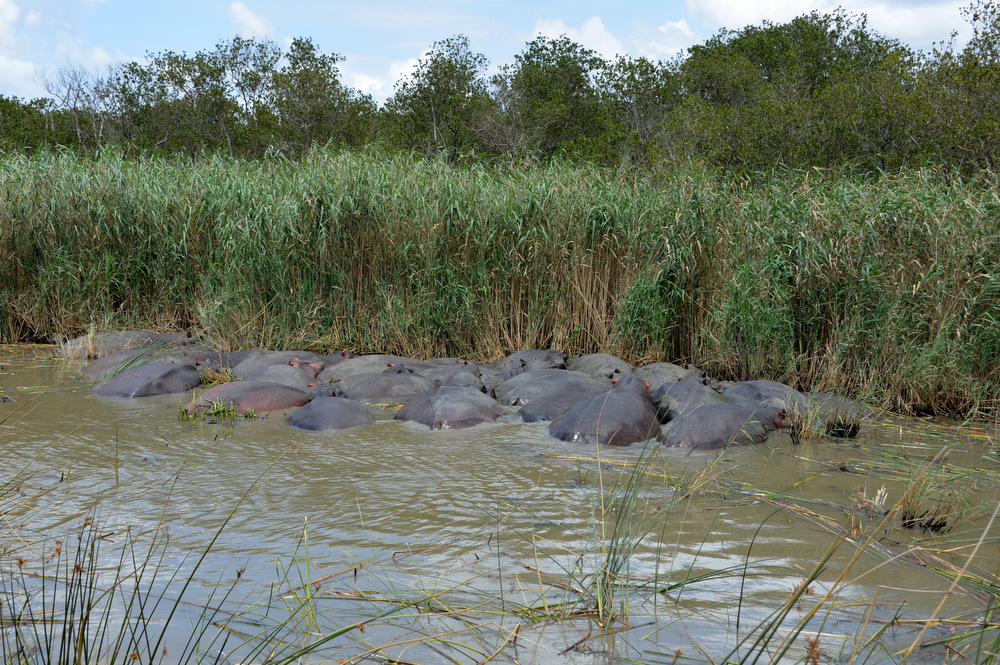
(822,89)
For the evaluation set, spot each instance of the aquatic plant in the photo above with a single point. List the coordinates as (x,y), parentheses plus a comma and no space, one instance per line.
(882,286)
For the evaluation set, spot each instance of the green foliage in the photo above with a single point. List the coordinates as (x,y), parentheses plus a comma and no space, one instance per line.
(22,124)
(880,286)
(821,90)
(438,108)
(551,91)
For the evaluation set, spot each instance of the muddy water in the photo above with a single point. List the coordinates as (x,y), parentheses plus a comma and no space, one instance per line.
(500,524)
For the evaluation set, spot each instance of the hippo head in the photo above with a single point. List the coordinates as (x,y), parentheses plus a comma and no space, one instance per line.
(636,385)
(311,367)
(398,368)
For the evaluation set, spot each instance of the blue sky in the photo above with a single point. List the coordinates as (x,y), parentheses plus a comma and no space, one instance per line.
(382,39)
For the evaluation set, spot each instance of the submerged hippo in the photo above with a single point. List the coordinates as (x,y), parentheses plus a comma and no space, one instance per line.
(260,397)
(837,415)
(540,384)
(161,377)
(327,412)
(99,344)
(677,398)
(769,393)
(722,425)
(620,416)
(601,366)
(451,407)
(311,363)
(393,386)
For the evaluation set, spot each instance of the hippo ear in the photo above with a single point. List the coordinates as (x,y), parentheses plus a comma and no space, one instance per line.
(616,380)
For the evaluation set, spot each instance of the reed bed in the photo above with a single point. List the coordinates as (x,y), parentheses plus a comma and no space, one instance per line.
(884,287)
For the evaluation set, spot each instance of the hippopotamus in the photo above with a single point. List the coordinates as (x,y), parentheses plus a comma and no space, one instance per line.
(720,425)
(160,377)
(451,407)
(394,386)
(553,404)
(198,357)
(769,393)
(304,360)
(99,344)
(538,384)
(369,364)
(261,397)
(601,366)
(620,416)
(840,416)
(332,359)
(327,412)
(111,363)
(456,373)
(521,368)
(676,398)
(550,359)
(659,373)
(288,375)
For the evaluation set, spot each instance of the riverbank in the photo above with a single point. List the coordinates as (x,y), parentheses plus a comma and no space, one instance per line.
(885,289)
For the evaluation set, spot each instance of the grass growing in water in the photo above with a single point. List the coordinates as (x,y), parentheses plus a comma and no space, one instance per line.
(885,287)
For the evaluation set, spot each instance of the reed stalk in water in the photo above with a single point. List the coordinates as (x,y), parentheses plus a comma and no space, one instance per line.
(880,286)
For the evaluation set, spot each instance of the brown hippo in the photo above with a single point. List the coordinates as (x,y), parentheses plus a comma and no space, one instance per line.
(261,397)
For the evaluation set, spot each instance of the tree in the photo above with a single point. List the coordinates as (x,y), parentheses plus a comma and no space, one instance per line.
(550,93)
(250,67)
(966,99)
(79,101)
(639,95)
(313,105)
(438,108)
(22,124)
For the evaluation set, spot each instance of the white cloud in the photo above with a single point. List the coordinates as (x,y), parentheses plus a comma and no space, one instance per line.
(8,14)
(400,69)
(17,75)
(33,19)
(591,34)
(246,23)
(916,24)
(736,14)
(369,85)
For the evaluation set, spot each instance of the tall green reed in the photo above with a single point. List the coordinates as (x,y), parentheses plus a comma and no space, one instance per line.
(881,286)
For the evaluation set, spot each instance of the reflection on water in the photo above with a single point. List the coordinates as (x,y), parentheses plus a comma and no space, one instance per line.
(503,518)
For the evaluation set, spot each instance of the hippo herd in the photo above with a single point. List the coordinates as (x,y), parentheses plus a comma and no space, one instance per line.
(591,398)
